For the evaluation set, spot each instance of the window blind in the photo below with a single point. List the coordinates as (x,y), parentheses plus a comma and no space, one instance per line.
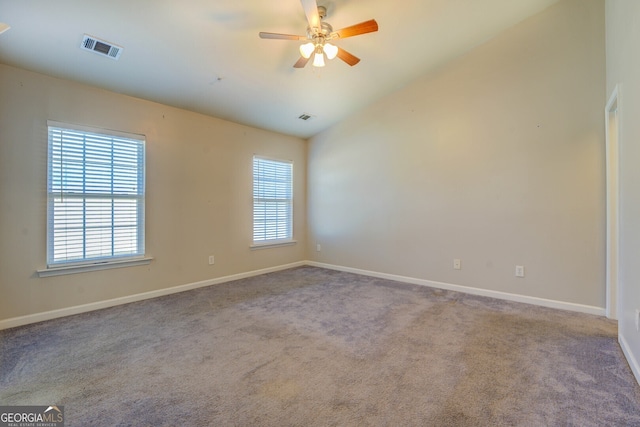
(272,200)
(95,196)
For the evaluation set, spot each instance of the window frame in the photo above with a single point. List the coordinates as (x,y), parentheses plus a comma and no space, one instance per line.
(278,241)
(100,261)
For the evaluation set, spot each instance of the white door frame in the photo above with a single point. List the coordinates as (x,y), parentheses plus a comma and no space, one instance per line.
(611,115)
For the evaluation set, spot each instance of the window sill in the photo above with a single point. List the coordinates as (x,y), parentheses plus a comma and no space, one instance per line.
(272,244)
(82,268)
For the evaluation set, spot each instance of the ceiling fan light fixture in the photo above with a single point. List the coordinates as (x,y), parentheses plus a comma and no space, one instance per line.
(330,50)
(318,60)
(307,49)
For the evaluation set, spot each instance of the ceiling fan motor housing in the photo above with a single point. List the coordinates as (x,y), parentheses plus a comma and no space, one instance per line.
(324,31)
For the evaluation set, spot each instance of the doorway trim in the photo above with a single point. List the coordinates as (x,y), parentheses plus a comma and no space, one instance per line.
(612,144)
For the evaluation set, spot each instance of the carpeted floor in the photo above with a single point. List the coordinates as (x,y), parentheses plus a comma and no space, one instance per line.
(314,347)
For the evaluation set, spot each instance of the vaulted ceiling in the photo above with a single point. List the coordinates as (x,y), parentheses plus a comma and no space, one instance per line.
(206,56)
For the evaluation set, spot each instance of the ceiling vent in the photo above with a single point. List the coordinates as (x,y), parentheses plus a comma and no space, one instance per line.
(101,47)
(305,117)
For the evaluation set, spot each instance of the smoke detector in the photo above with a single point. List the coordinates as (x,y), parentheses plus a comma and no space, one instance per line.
(101,47)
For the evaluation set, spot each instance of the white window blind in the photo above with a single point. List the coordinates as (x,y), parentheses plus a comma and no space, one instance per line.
(272,200)
(95,191)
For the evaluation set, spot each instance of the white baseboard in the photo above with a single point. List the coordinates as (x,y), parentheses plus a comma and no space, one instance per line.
(54,314)
(633,362)
(598,311)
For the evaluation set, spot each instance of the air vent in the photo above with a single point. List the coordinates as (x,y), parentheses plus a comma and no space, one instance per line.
(101,47)
(305,117)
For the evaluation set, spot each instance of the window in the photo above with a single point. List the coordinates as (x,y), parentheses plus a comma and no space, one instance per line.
(95,196)
(272,201)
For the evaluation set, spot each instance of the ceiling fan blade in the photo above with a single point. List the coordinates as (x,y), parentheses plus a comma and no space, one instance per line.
(347,57)
(301,62)
(311,10)
(355,30)
(279,36)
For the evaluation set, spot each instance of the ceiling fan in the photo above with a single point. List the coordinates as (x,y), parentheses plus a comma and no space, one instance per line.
(320,33)
(3,27)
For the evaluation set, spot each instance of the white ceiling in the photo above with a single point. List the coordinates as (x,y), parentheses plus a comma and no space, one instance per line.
(206,56)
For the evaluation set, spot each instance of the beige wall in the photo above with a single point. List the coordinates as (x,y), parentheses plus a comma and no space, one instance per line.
(496,159)
(623,69)
(198,193)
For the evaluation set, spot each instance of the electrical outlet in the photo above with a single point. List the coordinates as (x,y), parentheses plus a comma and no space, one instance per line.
(211,260)
(637,320)
(519,270)
(318,247)
(457,264)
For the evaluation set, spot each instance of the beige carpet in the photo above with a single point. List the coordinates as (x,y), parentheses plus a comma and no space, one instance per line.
(314,347)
